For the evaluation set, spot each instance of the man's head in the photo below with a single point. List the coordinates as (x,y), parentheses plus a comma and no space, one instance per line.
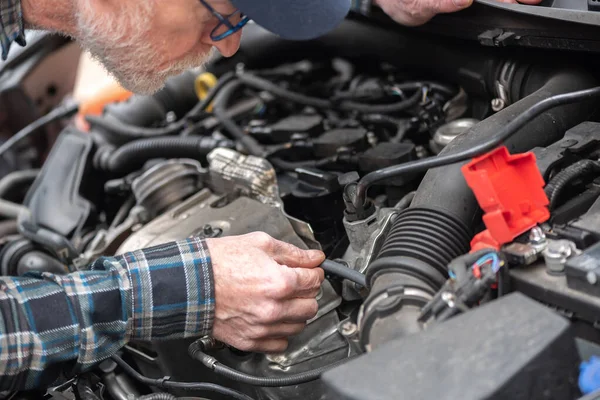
(143,42)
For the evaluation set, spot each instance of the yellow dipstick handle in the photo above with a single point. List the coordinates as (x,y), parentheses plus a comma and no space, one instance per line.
(203,83)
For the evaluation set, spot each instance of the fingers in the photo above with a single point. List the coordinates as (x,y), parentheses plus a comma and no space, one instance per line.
(276,331)
(299,310)
(308,281)
(289,311)
(285,253)
(450,6)
(290,255)
(290,283)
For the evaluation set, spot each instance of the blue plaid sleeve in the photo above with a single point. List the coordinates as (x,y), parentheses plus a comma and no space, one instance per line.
(11,25)
(56,323)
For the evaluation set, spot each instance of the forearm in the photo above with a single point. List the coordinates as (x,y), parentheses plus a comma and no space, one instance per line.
(164,292)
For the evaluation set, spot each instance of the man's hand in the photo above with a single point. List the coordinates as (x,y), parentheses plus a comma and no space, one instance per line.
(418,12)
(265,290)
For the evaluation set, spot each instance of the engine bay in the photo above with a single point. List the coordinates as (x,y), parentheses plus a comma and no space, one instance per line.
(459,184)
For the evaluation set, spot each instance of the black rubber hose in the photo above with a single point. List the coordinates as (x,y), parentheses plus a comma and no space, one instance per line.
(123,132)
(166,383)
(17,178)
(54,115)
(401,126)
(255,82)
(158,396)
(220,111)
(196,352)
(382,108)
(341,270)
(263,84)
(292,165)
(555,188)
(133,155)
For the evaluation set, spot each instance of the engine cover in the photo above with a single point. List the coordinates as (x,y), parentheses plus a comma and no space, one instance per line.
(205,215)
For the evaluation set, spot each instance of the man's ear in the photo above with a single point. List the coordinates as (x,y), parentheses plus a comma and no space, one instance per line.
(228,46)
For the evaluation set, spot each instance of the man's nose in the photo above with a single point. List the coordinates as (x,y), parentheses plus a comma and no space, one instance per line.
(228,46)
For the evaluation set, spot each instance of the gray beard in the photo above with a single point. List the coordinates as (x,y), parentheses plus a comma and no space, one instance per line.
(129,59)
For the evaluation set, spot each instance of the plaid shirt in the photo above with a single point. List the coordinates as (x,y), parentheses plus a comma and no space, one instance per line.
(11,25)
(53,324)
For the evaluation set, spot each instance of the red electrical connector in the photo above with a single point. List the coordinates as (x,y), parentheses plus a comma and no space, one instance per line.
(510,189)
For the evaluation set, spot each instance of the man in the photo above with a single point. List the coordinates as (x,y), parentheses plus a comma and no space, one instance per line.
(250,291)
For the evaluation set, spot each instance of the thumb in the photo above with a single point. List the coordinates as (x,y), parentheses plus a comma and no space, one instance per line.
(294,257)
(449,6)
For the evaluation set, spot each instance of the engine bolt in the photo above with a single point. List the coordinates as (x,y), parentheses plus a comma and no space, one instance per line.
(536,236)
(348,329)
(556,255)
(498,104)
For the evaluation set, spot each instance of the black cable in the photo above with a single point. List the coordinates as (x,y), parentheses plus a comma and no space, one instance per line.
(504,133)
(165,383)
(268,86)
(438,87)
(555,188)
(16,178)
(401,126)
(196,352)
(132,131)
(220,112)
(136,132)
(382,108)
(56,114)
(338,269)
(263,84)
(292,165)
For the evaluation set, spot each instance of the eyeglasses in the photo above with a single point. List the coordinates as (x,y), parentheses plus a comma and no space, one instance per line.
(228,24)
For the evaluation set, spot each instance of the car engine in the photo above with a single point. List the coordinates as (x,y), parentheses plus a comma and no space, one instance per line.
(453,188)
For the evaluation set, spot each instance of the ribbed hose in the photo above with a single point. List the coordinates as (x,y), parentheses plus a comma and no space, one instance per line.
(195,351)
(555,188)
(158,396)
(427,235)
(133,155)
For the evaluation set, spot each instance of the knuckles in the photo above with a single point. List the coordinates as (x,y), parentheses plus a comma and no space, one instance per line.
(270,312)
(281,287)
(261,240)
